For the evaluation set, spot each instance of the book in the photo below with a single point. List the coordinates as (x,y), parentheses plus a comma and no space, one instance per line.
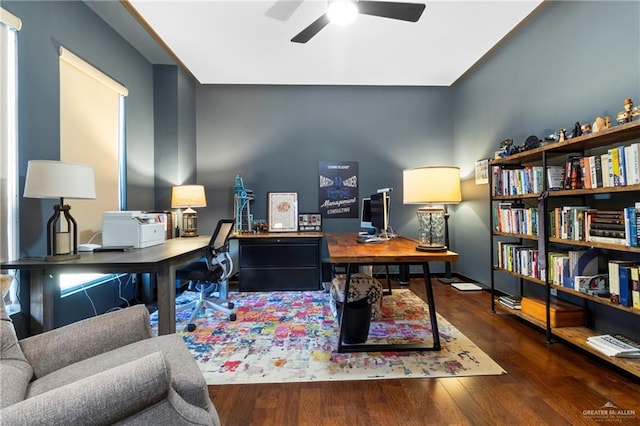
(615,346)
(635,287)
(624,276)
(555,175)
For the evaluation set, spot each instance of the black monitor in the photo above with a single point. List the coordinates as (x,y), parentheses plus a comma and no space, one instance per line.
(380,212)
(365,214)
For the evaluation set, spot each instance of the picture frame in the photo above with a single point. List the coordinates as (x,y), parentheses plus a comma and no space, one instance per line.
(482,172)
(283,211)
(309,222)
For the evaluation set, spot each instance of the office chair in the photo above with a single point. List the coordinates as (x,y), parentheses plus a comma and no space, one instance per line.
(212,275)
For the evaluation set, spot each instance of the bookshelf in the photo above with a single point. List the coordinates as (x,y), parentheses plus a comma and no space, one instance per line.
(545,201)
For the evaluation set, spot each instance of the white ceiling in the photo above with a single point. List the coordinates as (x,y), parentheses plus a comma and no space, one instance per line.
(248,42)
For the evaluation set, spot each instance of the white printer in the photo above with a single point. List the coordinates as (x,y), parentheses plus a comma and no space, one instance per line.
(131,228)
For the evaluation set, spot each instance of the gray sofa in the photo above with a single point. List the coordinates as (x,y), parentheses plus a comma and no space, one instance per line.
(103,370)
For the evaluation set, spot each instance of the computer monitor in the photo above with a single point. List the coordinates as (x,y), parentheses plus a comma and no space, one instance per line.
(380,212)
(365,214)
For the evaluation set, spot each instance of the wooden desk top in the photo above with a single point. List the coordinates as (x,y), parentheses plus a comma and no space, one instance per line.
(172,248)
(344,248)
(279,235)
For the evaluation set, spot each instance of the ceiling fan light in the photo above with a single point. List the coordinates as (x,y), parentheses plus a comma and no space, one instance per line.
(342,12)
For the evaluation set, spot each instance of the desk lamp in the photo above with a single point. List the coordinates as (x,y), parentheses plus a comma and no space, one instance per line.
(187,197)
(432,185)
(58,179)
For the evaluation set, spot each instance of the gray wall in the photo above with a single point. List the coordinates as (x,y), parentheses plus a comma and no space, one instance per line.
(46,26)
(274,136)
(572,62)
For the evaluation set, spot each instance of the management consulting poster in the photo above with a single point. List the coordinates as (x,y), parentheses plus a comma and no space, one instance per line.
(338,189)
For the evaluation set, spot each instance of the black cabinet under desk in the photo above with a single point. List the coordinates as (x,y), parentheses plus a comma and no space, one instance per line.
(275,261)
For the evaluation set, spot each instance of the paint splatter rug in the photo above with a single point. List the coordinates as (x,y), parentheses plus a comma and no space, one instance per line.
(292,337)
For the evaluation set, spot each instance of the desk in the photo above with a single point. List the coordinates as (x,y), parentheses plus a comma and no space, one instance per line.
(343,248)
(162,260)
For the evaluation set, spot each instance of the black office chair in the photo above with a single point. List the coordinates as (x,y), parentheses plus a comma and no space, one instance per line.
(212,276)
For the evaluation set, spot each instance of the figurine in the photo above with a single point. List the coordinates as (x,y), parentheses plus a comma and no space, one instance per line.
(577,130)
(563,135)
(628,113)
(601,123)
(585,129)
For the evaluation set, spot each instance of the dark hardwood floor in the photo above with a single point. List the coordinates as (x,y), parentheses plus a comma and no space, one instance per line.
(545,384)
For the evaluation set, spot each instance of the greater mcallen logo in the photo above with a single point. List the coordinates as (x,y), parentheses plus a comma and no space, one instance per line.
(609,413)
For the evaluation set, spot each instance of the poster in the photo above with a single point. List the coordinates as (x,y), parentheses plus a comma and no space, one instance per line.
(338,189)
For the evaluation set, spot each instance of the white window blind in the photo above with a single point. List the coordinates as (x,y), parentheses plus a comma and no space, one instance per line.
(90,133)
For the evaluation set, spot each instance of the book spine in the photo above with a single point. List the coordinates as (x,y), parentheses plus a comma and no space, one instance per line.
(635,287)
(624,276)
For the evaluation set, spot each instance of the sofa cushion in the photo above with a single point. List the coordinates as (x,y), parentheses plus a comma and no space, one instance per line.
(15,371)
(186,377)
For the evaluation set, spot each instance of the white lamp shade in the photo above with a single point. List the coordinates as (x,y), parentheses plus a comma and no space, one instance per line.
(188,196)
(431,185)
(59,179)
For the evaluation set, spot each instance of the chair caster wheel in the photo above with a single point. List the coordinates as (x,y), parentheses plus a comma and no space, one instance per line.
(232,317)
(230,305)
(191,327)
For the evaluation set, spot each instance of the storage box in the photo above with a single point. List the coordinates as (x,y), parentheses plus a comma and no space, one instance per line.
(562,314)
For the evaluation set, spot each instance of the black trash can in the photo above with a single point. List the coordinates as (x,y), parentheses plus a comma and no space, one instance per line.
(356,329)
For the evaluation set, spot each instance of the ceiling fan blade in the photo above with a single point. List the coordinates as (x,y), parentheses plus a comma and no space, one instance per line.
(403,11)
(313,29)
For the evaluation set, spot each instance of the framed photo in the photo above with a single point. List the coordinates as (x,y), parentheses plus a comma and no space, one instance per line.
(283,211)
(309,222)
(482,172)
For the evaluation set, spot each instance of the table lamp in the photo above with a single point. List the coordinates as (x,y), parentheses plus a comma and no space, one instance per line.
(59,179)
(187,197)
(432,185)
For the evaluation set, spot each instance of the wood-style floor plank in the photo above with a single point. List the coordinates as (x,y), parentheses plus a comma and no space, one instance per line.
(545,384)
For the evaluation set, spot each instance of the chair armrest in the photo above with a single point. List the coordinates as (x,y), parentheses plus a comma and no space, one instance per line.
(103,398)
(67,345)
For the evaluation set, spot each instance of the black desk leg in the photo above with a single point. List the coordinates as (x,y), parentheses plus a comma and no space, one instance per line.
(343,316)
(432,307)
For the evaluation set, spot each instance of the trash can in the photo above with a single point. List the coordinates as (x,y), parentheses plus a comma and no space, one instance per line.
(356,329)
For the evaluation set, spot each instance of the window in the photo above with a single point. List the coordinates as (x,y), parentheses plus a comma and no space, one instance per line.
(9,241)
(92,132)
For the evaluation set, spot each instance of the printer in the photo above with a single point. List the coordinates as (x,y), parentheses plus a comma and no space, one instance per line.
(131,228)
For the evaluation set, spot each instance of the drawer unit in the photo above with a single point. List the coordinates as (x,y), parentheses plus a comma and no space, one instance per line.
(283,262)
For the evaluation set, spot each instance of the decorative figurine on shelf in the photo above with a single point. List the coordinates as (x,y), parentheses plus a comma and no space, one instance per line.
(626,116)
(505,147)
(601,123)
(562,135)
(241,198)
(577,130)
(531,142)
(585,128)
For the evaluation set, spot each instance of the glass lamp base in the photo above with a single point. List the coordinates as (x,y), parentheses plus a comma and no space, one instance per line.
(433,247)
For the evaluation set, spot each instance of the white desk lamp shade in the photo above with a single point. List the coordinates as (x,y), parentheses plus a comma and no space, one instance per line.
(431,185)
(188,196)
(58,179)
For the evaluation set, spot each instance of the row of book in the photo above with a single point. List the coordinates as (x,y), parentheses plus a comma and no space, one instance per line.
(619,166)
(510,302)
(517,258)
(509,180)
(624,283)
(583,223)
(515,218)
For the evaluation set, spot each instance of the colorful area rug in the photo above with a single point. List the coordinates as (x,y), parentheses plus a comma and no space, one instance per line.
(292,337)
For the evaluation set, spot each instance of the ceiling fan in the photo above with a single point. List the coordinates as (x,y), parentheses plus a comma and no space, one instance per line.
(410,12)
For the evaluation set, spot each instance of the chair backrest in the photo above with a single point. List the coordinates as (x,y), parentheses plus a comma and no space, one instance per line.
(220,238)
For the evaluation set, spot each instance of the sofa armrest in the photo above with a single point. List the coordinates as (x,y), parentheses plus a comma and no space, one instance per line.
(67,345)
(103,398)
